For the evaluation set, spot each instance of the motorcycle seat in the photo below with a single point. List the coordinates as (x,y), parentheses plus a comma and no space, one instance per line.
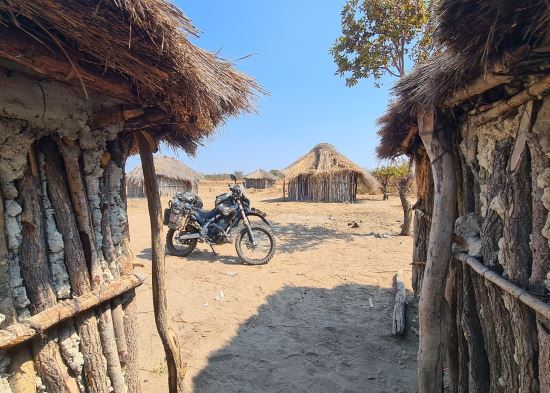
(205,215)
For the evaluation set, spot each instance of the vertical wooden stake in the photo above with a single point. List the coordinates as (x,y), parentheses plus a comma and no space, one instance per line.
(176,368)
(432,305)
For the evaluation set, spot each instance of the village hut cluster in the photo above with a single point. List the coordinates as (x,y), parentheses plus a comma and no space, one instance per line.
(325,175)
(173,176)
(476,119)
(83,85)
(259,179)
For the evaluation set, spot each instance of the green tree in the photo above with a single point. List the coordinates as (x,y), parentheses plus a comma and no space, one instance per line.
(398,174)
(276,173)
(379,36)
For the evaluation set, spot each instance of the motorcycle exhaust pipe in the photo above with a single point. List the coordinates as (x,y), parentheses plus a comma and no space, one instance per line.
(189,236)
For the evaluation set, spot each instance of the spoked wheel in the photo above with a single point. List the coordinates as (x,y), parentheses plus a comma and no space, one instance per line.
(177,247)
(259,253)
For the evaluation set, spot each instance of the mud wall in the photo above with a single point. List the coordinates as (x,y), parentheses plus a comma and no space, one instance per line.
(62,194)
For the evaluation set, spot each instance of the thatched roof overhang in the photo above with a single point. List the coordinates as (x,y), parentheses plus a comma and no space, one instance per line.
(137,52)
(487,46)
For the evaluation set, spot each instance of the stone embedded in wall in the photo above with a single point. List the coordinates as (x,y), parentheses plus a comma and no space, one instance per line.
(118,211)
(497,204)
(467,235)
(69,342)
(15,141)
(544,182)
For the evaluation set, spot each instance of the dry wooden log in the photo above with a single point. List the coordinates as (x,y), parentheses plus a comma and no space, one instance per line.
(480,85)
(478,365)
(110,255)
(534,92)
(537,305)
(19,332)
(176,367)
(540,161)
(119,152)
(398,315)
(71,153)
(422,218)
(95,368)
(453,365)
(432,305)
(34,270)
(543,328)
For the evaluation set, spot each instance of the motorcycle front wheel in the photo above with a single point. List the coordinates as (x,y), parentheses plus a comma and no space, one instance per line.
(177,248)
(259,253)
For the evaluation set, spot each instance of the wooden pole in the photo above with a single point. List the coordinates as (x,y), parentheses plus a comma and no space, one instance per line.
(71,153)
(432,307)
(95,367)
(398,315)
(20,332)
(176,367)
(34,269)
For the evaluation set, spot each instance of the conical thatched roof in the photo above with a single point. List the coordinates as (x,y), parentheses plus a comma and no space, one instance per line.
(324,160)
(167,167)
(137,51)
(260,174)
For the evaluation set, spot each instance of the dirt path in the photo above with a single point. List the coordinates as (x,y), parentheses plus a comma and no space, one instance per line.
(315,319)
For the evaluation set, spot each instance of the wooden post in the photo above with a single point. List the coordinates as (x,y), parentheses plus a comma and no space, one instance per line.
(432,305)
(95,368)
(71,153)
(398,316)
(404,185)
(34,269)
(176,368)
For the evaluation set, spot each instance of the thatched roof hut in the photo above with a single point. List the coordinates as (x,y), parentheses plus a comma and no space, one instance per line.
(173,176)
(259,179)
(476,120)
(84,84)
(325,175)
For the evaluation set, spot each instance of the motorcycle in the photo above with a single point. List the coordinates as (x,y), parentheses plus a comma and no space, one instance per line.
(189,224)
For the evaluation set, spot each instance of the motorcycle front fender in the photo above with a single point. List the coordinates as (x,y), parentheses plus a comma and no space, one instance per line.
(256,213)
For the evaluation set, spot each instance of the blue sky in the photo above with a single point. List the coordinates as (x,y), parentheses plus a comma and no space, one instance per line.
(307,104)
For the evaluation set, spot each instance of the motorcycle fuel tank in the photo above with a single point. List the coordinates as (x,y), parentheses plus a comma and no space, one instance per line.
(221,198)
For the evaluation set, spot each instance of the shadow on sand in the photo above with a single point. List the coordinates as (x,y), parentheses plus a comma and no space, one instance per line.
(316,340)
(299,237)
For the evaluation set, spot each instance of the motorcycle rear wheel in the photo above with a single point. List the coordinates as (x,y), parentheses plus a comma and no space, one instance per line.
(243,245)
(176,248)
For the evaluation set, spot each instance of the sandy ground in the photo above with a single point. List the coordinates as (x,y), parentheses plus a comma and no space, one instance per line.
(315,319)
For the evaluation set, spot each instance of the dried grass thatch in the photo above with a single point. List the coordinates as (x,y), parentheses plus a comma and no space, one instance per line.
(173,176)
(142,48)
(323,162)
(260,174)
(259,179)
(504,38)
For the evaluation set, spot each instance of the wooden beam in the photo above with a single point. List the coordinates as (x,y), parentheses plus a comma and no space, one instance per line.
(26,329)
(534,92)
(479,86)
(432,306)
(176,367)
(535,304)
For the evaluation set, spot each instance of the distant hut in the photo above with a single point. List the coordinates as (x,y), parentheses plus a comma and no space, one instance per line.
(325,175)
(83,85)
(173,176)
(476,120)
(259,179)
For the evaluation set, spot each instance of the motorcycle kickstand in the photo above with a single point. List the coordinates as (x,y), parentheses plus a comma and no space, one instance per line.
(212,247)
